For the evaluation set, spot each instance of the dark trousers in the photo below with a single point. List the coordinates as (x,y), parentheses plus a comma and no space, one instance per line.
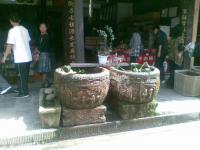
(159,65)
(23,75)
(133,59)
(196,61)
(172,67)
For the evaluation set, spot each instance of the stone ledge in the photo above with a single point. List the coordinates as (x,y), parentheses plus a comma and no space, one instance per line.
(49,135)
(49,116)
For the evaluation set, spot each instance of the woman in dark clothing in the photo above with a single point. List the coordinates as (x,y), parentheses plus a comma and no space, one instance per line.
(43,47)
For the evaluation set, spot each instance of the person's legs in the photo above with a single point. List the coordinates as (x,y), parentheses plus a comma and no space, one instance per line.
(171,77)
(159,65)
(44,80)
(23,73)
(4,85)
(45,68)
(176,67)
(27,69)
(133,59)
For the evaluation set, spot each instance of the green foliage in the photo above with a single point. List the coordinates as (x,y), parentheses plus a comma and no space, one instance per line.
(135,67)
(151,108)
(68,69)
(81,71)
(107,35)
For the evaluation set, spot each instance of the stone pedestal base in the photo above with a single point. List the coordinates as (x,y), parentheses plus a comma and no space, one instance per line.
(131,111)
(49,116)
(72,117)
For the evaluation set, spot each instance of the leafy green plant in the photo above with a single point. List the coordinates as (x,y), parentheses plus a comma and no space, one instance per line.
(68,69)
(135,67)
(108,36)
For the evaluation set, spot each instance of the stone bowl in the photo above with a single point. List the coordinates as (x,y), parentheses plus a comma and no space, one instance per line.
(82,91)
(134,87)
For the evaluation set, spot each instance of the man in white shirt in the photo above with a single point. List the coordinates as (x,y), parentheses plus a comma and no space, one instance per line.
(18,41)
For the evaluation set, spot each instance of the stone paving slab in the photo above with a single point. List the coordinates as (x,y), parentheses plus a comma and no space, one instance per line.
(19,118)
(19,115)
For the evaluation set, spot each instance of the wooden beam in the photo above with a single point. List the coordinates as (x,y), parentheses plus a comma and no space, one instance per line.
(196,20)
(79,31)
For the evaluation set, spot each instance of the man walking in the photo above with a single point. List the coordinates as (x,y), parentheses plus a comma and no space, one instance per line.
(161,45)
(18,41)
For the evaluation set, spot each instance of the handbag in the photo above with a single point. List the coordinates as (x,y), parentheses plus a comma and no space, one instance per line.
(36,56)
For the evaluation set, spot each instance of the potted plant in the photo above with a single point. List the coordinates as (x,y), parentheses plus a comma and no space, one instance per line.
(133,90)
(106,46)
(81,88)
(82,91)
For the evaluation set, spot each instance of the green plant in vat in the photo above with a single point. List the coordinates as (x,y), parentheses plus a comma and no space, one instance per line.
(140,68)
(68,69)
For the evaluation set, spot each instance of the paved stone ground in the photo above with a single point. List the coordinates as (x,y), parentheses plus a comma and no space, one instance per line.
(171,102)
(17,116)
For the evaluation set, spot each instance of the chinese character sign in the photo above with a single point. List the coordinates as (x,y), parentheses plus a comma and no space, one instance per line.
(69,30)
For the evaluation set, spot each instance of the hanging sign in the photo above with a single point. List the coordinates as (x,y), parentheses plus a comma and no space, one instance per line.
(70,50)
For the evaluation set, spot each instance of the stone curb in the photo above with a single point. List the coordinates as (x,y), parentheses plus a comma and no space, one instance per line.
(49,135)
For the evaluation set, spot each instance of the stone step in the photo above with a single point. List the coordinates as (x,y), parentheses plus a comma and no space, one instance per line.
(49,135)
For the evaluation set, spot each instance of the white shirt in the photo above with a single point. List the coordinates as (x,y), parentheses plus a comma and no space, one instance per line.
(19,37)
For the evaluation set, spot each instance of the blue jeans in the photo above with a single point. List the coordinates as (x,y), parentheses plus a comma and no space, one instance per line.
(133,59)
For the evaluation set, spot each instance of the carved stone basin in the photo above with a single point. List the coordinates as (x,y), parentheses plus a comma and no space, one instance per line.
(82,91)
(135,87)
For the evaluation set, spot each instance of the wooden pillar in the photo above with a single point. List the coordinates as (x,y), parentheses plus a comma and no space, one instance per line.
(196,20)
(73,31)
(79,31)
(190,12)
(195,27)
(42,10)
(69,31)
